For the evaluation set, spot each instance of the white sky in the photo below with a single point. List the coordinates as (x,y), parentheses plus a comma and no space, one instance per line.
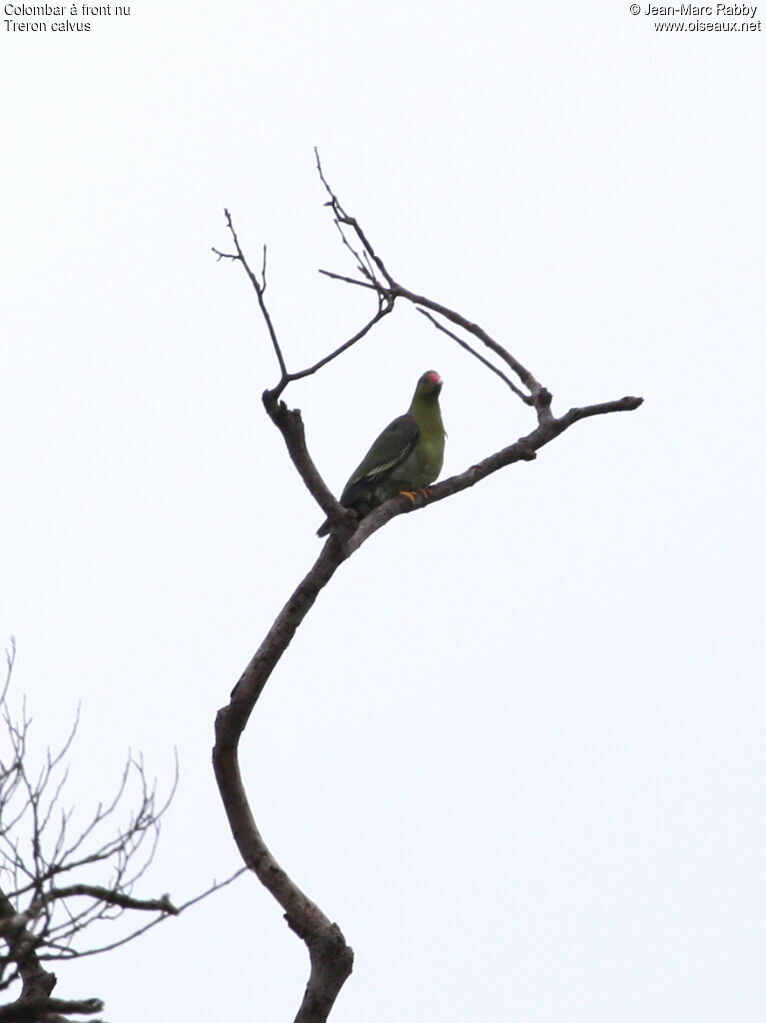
(516,750)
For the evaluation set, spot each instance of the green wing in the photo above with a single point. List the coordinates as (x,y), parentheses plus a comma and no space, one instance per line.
(390,449)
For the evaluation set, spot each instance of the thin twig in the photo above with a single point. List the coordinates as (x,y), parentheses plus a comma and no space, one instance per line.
(258,286)
(342,218)
(349,280)
(538,396)
(216,886)
(384,309)
(477,355)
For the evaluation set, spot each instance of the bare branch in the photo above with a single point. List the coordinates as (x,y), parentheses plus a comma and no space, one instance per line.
(216,886)
(289,421)
(385,306)
(258,286)
(331,958)
(10,658)
(529,381)
(290,424)
(348,280)
(30,1010)
(41,921)
(477,355)
(36,982)
(538,396)
(627,404)
(342,218)
(101,894)
(522,450)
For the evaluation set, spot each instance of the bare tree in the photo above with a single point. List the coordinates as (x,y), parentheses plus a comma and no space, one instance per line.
(331,958)
(61,875)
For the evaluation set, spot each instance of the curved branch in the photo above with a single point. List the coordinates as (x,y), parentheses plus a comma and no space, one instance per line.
(331,958)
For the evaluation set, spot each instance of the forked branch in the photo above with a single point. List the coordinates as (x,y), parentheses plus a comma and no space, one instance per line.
(49,868)
(331,958)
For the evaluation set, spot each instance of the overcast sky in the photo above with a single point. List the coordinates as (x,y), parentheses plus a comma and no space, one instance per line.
(517,748)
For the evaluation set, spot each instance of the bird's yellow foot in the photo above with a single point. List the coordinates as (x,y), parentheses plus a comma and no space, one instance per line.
(413,495)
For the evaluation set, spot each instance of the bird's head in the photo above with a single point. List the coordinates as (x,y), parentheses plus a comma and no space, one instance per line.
(429,385)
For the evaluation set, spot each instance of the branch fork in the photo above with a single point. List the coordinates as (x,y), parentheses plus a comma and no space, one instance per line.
(330,957)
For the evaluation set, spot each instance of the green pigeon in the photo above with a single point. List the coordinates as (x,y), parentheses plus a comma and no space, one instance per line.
(406,457)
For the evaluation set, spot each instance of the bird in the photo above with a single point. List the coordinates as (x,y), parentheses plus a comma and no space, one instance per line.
(405,458)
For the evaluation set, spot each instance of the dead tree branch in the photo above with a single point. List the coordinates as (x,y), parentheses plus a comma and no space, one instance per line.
(100,894)
(331,958)
(385,306)
(44,842)
(477,355)
(33,1009)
